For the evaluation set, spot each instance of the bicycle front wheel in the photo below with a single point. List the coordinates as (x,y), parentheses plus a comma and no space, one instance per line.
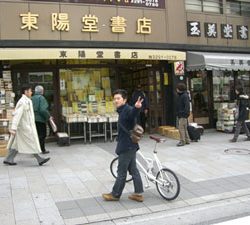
(167,184)
(114,167)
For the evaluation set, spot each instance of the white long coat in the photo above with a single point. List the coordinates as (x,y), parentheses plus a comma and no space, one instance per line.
(26,138)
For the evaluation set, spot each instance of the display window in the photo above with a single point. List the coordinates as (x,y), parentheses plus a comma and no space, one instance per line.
(86,91)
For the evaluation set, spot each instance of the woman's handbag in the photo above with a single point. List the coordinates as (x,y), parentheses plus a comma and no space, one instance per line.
(52,124)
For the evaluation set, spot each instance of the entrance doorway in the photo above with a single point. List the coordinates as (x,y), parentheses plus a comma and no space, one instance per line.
(151,82)
(34,77)
(201,97)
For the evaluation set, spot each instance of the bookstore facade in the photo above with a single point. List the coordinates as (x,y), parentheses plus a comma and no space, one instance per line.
(80,51)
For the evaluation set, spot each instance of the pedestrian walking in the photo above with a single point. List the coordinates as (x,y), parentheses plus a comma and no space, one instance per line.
(142,116)
(42,115)
(183,111)
(126,149)
(23,129)
(242,114)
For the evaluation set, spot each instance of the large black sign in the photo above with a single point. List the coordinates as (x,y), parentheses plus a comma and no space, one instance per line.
(160,4)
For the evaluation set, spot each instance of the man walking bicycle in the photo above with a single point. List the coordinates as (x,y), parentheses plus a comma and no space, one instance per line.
(126,149)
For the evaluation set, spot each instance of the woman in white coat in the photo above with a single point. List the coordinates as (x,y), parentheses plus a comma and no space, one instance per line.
(24,138)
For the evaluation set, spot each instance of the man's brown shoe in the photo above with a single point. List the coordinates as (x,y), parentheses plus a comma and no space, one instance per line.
(136,197)
(109,197)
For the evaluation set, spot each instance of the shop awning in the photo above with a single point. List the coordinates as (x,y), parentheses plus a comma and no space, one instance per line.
(217,61)
(90,53)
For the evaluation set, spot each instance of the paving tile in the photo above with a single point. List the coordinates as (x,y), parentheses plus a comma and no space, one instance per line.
(43,200)
(71,213)
(7,219)
(119,214)
(98,217)
(76,221)
(67,205)
(158,208)
(110,207)
(28,222)
(201,192)
(195,201)
(25,214)
(6,205)
(139,211)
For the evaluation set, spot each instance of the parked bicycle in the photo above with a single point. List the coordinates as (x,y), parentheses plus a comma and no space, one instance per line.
(166,181)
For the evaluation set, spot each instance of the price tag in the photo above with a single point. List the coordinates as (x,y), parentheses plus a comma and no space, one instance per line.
(1,111)
(3,101)
(12,104)
(13,95)
(2,91)
(5,124)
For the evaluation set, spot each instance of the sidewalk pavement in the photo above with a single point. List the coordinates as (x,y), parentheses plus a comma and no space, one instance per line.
(67,190)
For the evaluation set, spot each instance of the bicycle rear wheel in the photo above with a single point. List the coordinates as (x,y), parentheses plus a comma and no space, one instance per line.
(114,167)
(167,184)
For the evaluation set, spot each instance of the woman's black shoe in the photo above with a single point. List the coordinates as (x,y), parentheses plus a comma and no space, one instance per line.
(10,163)
(45,152)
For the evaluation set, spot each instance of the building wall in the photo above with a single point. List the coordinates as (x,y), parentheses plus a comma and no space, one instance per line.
(169,25)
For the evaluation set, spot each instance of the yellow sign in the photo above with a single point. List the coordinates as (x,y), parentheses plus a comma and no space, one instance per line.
(90,53)
(166,79)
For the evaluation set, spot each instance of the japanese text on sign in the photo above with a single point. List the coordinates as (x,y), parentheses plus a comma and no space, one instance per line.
(61,22)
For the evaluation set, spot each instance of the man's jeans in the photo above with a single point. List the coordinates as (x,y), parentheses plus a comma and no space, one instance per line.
(127,162)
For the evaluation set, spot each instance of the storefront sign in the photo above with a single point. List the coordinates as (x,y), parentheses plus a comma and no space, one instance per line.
(61,22)
(211,30)
(135,3)
(71,53)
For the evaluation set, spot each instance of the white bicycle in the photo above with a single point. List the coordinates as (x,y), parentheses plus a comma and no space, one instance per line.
(166,181)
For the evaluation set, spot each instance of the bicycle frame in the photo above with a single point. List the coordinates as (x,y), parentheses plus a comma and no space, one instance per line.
(148,171)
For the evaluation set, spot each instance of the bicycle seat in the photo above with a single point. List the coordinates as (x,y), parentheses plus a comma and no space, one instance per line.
(157,139)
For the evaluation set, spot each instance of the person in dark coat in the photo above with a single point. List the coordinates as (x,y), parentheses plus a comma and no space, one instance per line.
(42,115)
(242,114)
(183,111)
(126,149)
(142,116)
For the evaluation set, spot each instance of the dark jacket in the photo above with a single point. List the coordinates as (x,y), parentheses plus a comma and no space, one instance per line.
(183,105)
(136,94)
(127,117)
(40,106)
(243,104)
